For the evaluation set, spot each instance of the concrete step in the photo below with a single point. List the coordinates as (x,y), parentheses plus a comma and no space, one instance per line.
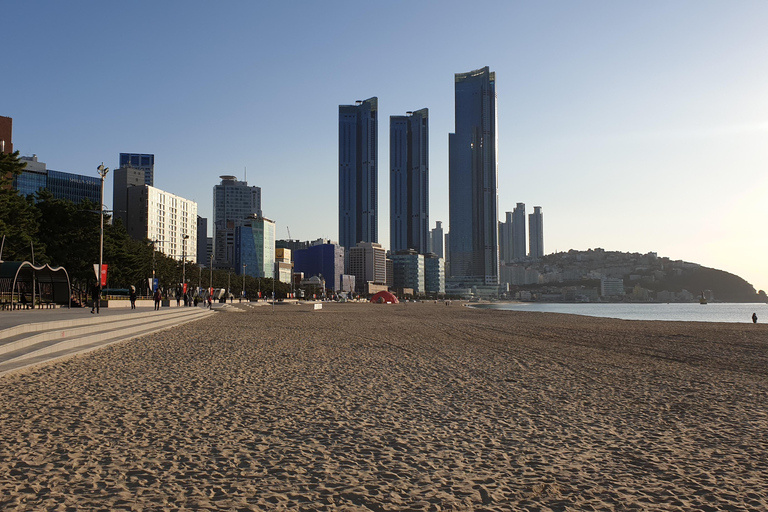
(85,335)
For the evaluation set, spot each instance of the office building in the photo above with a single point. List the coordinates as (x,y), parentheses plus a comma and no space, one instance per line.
(122,179)
(358,173)
(142,162)
(283,265)
(203,258)
(409,182)
(408,272)
(6,135)
(472,181)
(434,274)
(233,201)
(167,219)
(368,263)
(536,233)
(254,247)
(437,240)
(62,185)
(518,233)
(324,259)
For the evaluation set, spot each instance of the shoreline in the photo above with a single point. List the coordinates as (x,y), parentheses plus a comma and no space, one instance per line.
(424,407)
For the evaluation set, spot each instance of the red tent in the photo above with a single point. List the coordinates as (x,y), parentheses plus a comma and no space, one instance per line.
(384,297)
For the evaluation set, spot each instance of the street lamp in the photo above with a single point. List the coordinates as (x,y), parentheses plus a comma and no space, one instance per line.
(103,173)
(211,279)
(184,261)
(243,295)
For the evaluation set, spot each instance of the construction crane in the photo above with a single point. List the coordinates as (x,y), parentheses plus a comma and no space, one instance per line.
(289,233)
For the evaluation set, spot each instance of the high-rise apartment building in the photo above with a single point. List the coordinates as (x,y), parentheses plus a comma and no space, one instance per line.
(472,180)
(358,173)
(203,258)
(408,271)
(438,238)
(6,135)
(536,233)
(505,239)
(518,232)
(167,219)
(233,202)
(409,182)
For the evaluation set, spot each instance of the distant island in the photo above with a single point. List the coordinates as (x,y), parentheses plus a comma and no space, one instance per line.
(600,275)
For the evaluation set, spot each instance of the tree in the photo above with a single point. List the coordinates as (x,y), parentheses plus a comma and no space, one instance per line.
(18,215)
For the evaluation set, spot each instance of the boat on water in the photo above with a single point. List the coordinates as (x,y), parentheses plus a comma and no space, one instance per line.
(702,299)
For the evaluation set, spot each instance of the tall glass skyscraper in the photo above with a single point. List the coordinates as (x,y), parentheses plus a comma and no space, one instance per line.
(358,173)
(518,232)
(409,182)
(536,233)
(473,179)
(233,202)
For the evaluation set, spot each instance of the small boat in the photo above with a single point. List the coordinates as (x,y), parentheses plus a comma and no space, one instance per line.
(702,299)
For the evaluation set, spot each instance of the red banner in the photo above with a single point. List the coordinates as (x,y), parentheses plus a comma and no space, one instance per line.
(103,275)
(185,288)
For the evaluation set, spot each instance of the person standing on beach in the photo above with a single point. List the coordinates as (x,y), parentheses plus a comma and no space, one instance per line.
(754,318)
(133,297)
(157,298)
(96,296)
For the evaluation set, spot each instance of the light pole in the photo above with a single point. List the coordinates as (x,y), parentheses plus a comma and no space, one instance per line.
(184,262)
(211,278)
(103,173)
(243,295)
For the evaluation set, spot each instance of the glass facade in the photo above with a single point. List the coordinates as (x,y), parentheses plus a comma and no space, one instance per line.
(409,182)
(358,173)
(325,259)
(473,179)
(144,162)
(255,248)
(63,185)
(233,201)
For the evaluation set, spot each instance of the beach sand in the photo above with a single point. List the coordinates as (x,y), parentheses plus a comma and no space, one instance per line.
(396,407)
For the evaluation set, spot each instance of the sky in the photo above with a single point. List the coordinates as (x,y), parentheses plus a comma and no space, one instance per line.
(636,126)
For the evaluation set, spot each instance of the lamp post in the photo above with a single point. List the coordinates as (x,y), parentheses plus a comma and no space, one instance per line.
(103,173)
(184,262)
(211,279)
(243,295)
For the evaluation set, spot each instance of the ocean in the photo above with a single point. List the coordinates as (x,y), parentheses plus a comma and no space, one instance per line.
(713,312)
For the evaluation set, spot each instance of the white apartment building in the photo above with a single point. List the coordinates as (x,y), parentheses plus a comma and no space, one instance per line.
(167,219)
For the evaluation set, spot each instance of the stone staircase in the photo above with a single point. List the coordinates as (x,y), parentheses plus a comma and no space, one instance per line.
(33,343)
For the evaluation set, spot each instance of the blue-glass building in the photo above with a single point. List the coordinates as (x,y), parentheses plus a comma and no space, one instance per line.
(322,259)
(358,173)
(254,247)
(63,185)
(472,180)
(140,161)
(409,182)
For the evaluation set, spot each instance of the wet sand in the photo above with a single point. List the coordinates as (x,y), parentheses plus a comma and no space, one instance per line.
(396,407)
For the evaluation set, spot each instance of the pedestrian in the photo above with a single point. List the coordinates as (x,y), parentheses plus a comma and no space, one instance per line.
(754,318)
(133,297)
(210,301)
(157,296)
(96,296)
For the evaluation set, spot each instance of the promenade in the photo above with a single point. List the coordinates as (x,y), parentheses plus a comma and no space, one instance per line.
(395,407)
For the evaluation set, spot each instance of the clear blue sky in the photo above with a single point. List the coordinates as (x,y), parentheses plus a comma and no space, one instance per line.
(637,126)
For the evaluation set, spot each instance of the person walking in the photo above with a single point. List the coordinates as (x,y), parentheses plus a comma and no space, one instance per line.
(157,296)
(754,318)
(132,296)
(96,297)
(210,301)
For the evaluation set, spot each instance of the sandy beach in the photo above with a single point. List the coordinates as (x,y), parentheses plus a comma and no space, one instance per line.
(395,407)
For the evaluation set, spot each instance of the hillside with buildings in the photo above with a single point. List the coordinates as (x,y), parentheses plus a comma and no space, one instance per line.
(600,275)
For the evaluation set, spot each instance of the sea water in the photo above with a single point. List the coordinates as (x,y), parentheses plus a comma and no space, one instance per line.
(712,312)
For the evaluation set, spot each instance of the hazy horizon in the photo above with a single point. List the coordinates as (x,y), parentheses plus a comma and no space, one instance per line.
(635,126)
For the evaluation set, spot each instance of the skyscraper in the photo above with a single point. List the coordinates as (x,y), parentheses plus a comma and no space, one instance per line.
(505,239)
(140,161)
(6,135)
(358,173)
(438,239)
(409,182)
(536,233)
(518,232)
(233,202)
(472,180)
